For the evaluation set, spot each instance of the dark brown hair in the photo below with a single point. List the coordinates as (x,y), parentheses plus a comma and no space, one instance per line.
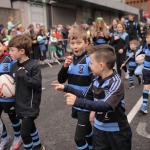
(21,42)
(135,42)
(77,33)
(104,53)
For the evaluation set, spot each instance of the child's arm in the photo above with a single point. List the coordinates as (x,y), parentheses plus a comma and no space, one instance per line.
(110,102)
(67,88)
(84,103)
(63,73)
(33,81)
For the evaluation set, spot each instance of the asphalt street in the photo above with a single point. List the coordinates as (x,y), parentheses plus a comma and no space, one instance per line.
(56,127)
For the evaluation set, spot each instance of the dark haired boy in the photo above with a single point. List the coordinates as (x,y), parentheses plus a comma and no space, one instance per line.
(111,128)
(8,106)
(27,75)
(76,71)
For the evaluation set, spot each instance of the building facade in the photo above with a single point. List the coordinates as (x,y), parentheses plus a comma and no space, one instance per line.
(66,12)
(143,5)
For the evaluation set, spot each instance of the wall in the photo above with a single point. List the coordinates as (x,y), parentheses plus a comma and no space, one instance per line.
(7,12)
(5,3)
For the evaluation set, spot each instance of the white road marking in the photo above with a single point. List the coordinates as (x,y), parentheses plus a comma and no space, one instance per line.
(43,88)
(141,130)
(134,110)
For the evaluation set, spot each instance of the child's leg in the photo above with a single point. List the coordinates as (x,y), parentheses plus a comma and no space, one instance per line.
(35,138)
(83,134)
(146,88)
(139,78)
(145,98)
(9,108)
(26,128)
(5,138)
(52,55)
(55,55)
(100,141)
(131,73)
(120,140)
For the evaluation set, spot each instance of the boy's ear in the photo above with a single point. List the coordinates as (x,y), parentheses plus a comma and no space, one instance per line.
(22,51)
(102,66)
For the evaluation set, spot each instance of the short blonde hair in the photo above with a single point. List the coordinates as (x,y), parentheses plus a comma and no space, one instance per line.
(77,33)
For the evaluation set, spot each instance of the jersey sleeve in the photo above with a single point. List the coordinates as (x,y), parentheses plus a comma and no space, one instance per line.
(115,94)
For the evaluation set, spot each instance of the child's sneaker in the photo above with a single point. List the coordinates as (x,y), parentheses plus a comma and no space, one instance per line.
(16,143)
(144,109)
(131,86)
(5,142)
(126,75)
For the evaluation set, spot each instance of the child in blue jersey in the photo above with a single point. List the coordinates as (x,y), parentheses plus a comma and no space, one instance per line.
(131,62)
(111,129)
(8,106)
(146,74)
(76,71)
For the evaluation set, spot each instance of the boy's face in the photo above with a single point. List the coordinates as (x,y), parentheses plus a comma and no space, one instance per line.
(133,46)
(148,39)
(14,53)
(78,46)
(96,67)
(1,49)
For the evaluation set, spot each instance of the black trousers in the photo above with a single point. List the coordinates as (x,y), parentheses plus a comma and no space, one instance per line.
(83,130)
(28,128)
(120,140)
(120,59)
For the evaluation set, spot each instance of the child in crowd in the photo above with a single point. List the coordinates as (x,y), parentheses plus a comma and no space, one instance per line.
(120,42)
(146,74)
(27,75)
(131,62)
(8,106)
(111,128)
(76,71)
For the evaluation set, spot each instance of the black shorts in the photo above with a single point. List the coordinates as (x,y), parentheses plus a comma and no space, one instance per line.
(119,140)
(7,107)
(146,76)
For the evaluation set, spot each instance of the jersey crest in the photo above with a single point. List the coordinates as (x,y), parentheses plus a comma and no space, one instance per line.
(81,69)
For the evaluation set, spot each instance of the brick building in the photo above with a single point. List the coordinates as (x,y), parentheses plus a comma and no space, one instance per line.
(52,12)
(143,5)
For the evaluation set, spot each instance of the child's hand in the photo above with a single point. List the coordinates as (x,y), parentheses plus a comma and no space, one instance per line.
(70,99)
(58,87)
(120,51)
(92,115)
(116,37)
(68,61)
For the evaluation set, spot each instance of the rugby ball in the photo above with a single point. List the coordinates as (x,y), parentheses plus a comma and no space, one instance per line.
(140,59)
(7,86)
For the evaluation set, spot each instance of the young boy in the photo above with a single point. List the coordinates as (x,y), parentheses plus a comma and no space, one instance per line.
(76,71)
(27,75)
(8,106)
(146,74)
(131,62)
(111,128)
